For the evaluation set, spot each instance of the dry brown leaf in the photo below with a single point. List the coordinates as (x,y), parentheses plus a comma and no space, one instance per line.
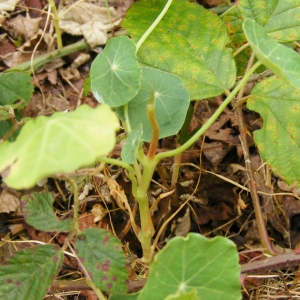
(88,20)
(81,59)
(16,58)
(99,212)
(215,152)
(69,74)
(23,27)
(9,203)
(183,224)
(118,193)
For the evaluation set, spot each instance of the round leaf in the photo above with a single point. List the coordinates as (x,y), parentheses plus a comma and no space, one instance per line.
(189,42)
(171,103)
(209,266)
(115,73)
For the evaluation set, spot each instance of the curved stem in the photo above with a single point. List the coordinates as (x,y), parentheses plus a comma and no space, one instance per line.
(153,25)
(211,120)
(124,165)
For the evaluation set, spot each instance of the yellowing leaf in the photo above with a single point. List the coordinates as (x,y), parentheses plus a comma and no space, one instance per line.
(63,142)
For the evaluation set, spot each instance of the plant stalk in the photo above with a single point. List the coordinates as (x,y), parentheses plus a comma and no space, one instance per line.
(146,232)
(154,126)
(211,120)
(56,24)
(153,25)
(76,203)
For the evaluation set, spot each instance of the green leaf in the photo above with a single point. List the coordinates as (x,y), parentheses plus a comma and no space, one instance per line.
(181,295)
(283,61)
(232,18)
(63,142)
(102,255)
(171,103)
(212,270)
(15,86)
(115,73)
(189,42)
(131,144)
(29,273)
(38,212)
(279,139)
(86,86)
(280,18)
(124,296)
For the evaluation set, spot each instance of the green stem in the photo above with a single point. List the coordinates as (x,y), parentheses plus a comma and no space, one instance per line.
(124,165)
(76,202)
(109,15)
(56,24)
(211,120)
(175,170)
(40,61)
(154,125)
(146,222)
(153,25)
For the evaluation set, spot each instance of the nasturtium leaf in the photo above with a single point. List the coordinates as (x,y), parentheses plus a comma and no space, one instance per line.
(15,86)
(232,18)
(102,255)
(115,73)
(171,103)
(124,296)
(38,212)
(29,273)
(131,144)
(189,42)
(278,140)
(213,270)
(181,295)
(62,142)
(280,18)
(283,61)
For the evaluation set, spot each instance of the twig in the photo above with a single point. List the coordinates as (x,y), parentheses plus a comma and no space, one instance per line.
(277,262)
(264,238)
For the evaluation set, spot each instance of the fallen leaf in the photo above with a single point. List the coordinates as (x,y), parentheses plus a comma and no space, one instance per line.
(23,27)
(9,202)
(88,20)
(183,224)
(8,5)
(99,212)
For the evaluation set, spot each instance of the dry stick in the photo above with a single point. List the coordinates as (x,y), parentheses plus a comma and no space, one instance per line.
(264,238)
(278,262)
